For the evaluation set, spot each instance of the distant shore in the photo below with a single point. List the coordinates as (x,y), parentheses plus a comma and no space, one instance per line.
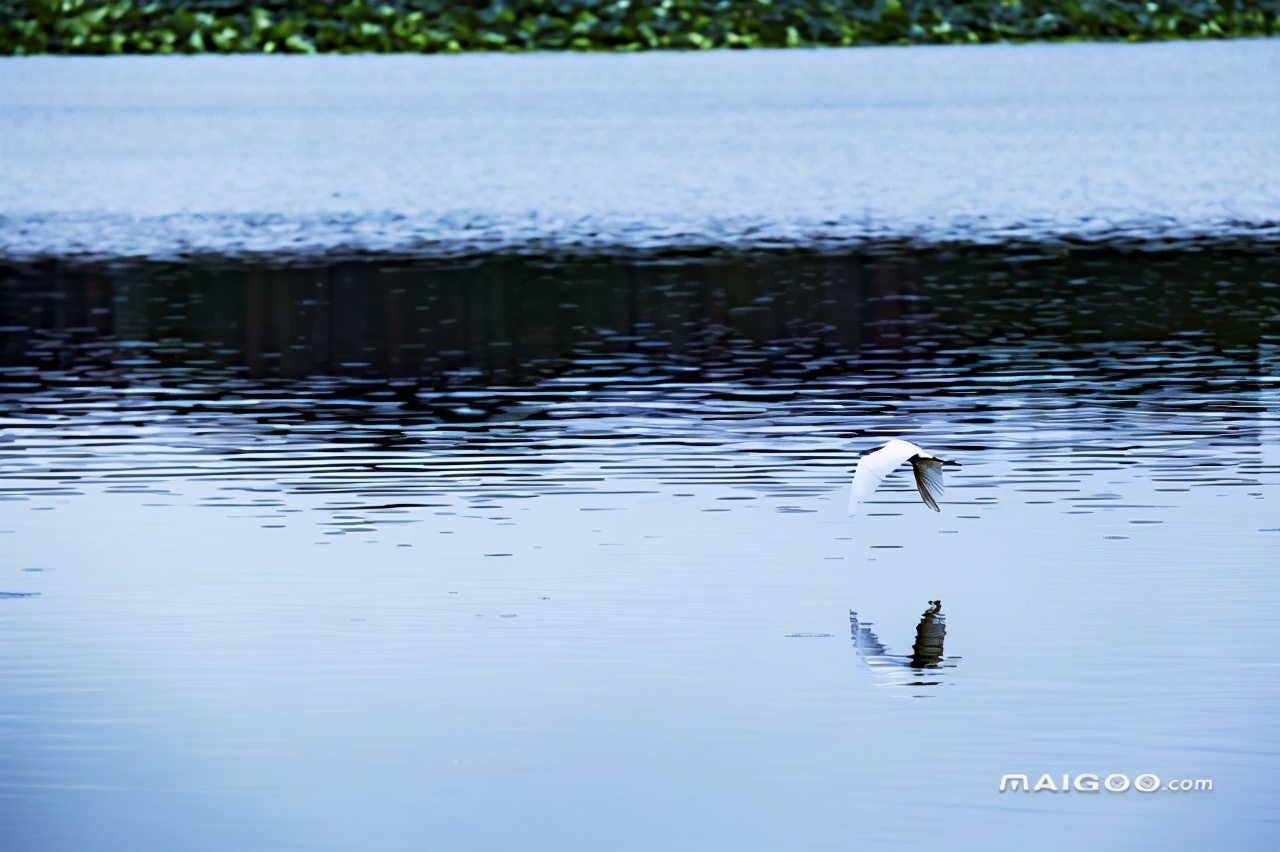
(100,27)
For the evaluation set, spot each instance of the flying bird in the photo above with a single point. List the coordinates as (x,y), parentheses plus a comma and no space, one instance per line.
(874,467)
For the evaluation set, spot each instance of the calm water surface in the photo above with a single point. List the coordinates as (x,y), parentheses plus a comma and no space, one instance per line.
(530,555)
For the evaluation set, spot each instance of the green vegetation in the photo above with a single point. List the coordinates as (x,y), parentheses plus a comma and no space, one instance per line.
(440,26)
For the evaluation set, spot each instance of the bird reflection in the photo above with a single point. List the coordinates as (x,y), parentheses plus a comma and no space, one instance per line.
(926,653)
(922,667)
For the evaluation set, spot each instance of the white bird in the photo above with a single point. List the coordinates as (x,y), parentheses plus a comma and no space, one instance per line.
(874,467)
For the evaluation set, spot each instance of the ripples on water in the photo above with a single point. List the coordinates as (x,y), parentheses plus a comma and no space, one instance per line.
(266,371)
(689,421)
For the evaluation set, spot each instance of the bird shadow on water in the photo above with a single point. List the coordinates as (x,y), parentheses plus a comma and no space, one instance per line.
(925,669)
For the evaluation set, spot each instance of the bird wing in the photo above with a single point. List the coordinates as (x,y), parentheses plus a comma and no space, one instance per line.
(874,467)
(928,479)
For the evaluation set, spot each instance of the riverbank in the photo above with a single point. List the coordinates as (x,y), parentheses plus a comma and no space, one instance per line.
(433,26)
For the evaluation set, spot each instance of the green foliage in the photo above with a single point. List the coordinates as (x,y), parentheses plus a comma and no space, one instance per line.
(436,26)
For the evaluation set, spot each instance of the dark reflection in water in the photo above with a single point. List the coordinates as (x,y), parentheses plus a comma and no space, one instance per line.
(919,668)
(409,381)
(419,337)
(931,633)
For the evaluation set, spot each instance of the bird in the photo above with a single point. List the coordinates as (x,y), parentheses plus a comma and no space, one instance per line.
(875,466)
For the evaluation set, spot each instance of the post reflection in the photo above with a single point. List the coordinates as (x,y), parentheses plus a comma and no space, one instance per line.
(927,663)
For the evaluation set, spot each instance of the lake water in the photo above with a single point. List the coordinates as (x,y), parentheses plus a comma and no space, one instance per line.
(521,554)
(155,156)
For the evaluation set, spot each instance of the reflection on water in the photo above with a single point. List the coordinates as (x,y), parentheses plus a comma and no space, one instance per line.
(513,554)
(407,335)
(926,652)
(931,632)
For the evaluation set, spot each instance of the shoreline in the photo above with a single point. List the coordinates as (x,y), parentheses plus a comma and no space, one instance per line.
(96,27)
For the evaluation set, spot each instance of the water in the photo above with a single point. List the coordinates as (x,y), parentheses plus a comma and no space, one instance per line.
(520,554)
(147,156)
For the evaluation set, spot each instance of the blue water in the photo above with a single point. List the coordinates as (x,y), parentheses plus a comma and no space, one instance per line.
(125,157)
(527,555)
